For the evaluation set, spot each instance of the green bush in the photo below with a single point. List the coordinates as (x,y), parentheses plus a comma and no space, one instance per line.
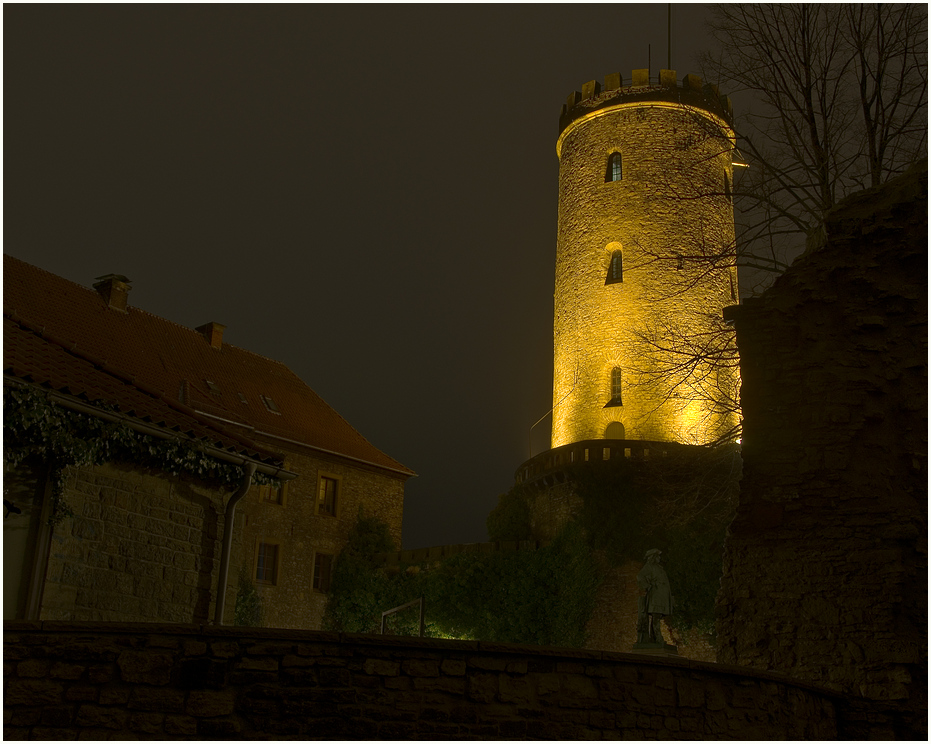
(248,611)
(542,596)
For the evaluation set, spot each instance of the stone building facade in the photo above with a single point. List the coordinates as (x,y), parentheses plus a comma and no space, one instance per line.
(160,534)
(308,539)
(825,571)
(131,537)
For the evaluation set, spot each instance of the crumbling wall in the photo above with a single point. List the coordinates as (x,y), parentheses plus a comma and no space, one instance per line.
(825,567)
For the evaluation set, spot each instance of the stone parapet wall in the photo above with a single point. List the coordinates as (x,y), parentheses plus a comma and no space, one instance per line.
(151,681)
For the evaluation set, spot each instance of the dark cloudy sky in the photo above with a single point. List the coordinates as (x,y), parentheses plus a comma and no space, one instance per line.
(366,193)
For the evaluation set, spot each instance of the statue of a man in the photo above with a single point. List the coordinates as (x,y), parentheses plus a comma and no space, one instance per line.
(656,600)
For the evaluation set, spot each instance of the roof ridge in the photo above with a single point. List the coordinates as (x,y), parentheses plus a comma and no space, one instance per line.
(136,308)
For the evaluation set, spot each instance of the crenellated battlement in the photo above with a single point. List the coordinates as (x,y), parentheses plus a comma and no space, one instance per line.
(691,92)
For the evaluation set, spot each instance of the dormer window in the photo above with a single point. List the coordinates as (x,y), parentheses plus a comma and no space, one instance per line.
(213,387)
(270,404)
(243,399)
(613,171)
(616,268)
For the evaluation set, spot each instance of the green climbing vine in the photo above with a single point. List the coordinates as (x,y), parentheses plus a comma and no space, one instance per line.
(34,427)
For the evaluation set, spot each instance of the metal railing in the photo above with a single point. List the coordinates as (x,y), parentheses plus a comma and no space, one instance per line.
(393,610)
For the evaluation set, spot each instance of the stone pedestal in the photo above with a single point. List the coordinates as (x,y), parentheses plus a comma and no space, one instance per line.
(656,649)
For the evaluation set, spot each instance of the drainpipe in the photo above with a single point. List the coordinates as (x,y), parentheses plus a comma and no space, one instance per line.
(248,471)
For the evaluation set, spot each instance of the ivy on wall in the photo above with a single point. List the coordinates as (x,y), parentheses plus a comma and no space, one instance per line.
(542,596)
(34,427)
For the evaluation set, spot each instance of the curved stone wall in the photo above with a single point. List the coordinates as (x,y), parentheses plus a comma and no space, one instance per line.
(641,267)
(150,681)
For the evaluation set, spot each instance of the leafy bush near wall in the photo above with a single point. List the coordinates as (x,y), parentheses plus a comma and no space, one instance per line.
(542,596)
(681,504)
(249,611)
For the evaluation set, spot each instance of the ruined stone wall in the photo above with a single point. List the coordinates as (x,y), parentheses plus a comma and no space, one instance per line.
(146,681)
(825,572)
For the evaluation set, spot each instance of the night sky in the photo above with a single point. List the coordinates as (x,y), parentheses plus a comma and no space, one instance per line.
(366,193)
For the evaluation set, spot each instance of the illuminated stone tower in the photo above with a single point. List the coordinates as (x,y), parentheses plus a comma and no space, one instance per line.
(643,262)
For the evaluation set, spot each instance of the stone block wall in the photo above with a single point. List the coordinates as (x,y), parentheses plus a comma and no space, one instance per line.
(670,204)
(825,573)
(138,546)
(148,681)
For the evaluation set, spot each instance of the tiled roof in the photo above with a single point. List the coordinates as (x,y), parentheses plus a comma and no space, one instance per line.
(178,362)
(32,358)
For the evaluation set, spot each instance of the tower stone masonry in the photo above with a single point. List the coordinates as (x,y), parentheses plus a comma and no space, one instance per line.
(643,262)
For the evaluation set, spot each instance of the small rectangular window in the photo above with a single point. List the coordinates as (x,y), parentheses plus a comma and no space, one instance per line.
(327,496)
(266,563)
(270,404)
(212,387)
(274,493)
(323,570)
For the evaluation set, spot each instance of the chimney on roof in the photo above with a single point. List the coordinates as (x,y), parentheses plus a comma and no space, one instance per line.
(213,332)
(114,288)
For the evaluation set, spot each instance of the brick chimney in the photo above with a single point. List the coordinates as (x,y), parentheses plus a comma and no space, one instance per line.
(114,288)
(213,332)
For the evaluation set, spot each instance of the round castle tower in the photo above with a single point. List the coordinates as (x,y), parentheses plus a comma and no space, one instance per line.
(643,261)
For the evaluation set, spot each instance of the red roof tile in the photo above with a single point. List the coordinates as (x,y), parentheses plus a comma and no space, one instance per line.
(177,362)
(32,358)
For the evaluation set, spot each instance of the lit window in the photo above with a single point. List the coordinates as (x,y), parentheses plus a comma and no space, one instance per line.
(613,172)
(323,570)
(327,496)
(615,388)
(266,563)
(616,269)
